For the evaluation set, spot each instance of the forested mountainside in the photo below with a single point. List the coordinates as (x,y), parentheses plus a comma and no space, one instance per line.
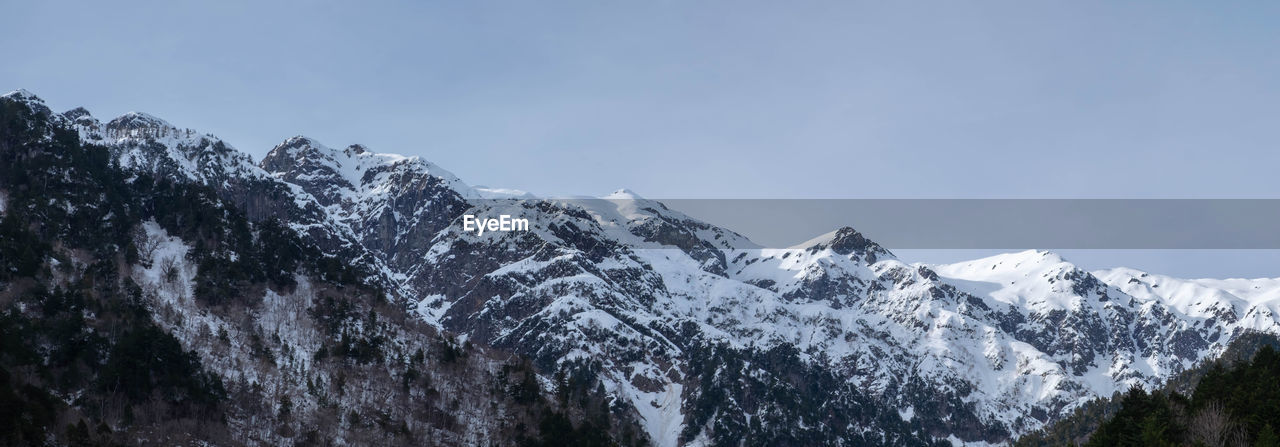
(1229,401)
(338,285)
(141,309)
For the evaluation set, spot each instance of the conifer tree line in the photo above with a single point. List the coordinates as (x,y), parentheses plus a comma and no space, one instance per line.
(1232,401)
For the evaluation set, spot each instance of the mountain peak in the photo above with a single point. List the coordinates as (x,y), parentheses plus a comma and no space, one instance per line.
(623,194)
(77,113)
(297,151)
(1036,256)
(625,282)
(84,123)
(845,241)
(301,155)
(23,95)
(1023,261)
(298,141)
(29,99)
(300,149)
(137,121)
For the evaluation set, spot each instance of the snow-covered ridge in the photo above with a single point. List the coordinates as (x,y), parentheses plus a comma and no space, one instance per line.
(144,143)
(1021,337)
(1026,279)
(26,97)
(1249,303)
(355,167)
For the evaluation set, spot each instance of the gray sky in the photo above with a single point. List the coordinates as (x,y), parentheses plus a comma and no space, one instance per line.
(705,99)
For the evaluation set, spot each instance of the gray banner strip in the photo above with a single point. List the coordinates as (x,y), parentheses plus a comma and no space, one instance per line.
(1005,223)
(998,223)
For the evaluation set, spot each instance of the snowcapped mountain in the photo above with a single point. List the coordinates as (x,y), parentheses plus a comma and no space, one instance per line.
(144,144)
(146,303)
(702,336)
(392,205)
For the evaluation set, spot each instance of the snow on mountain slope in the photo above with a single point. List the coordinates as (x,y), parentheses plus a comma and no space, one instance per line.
(1023,337)
(353,173)
(975,351)
(900,331)
(149,145)
(1018,279)
(658,226)
(1118,327)
(889,326)
(393,205)
(1233,303)
(159,277)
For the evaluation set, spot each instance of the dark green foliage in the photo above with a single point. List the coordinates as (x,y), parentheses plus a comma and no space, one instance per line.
(259,348)
(1240,389)
(525,389)
(556,429)
(83,363)
(60,190)
(1249,391)
(21,253)
(1075,429)
(349,335)
(1267,437)
(449,351)
(56,350)
(26,411)
(89,338)
(1143,419)
(286,407)
(148,363)
(332,314)
(362,348)
(789,402)
(580,395)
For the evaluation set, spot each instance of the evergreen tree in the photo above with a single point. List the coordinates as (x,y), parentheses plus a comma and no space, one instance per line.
(1267,437)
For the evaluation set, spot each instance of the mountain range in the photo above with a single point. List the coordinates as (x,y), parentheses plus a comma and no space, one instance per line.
(666,329)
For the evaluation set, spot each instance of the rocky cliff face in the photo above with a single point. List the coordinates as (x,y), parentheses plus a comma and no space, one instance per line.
(704,337)
(393,205)
(144,305)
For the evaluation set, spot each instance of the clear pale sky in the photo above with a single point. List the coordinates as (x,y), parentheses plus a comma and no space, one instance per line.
(673,99)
